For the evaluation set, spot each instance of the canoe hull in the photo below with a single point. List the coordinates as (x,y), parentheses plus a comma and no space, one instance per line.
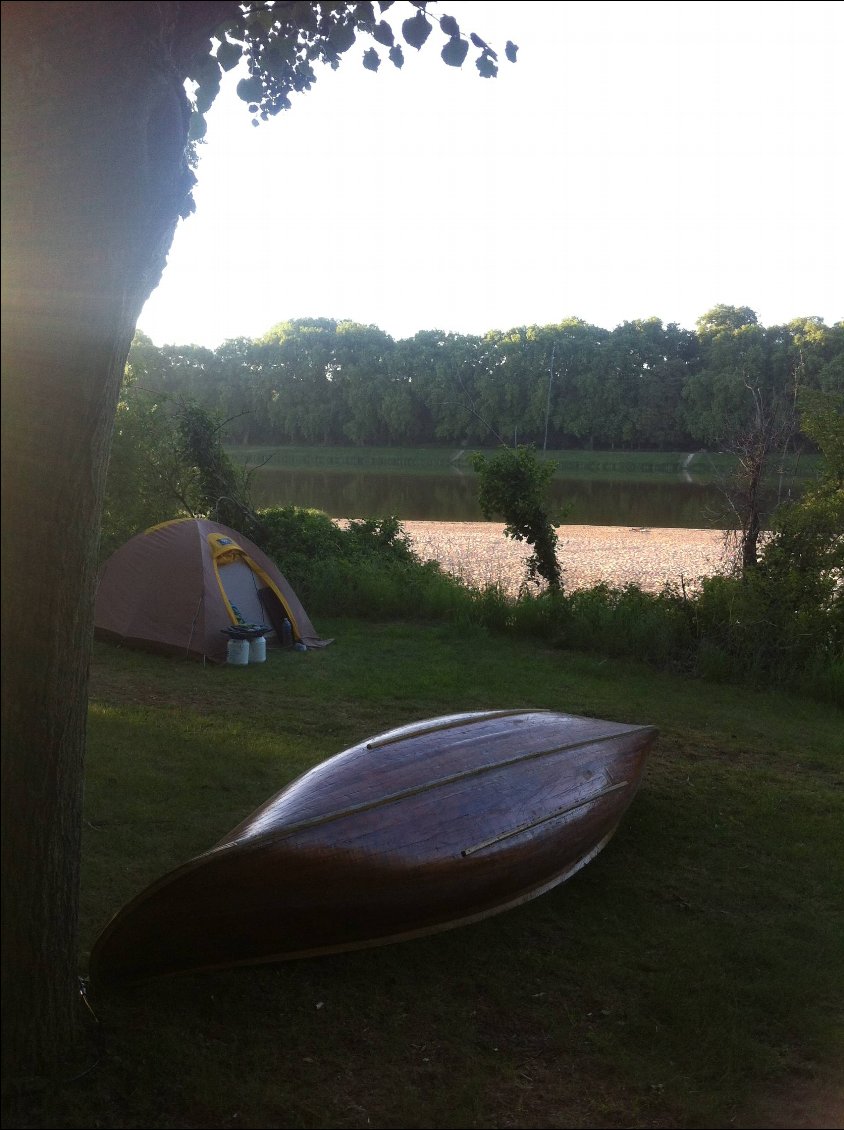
(418,830)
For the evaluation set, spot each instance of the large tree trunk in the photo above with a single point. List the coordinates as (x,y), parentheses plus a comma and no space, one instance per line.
(95,178)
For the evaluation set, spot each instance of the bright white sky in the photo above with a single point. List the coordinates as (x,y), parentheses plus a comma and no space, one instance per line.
(640,159)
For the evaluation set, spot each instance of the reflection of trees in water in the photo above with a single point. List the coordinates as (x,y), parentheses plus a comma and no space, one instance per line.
(614,502)
(453,498)
(434,498)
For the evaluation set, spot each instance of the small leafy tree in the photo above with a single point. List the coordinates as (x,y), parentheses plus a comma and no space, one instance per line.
(145,476)
(167,461)
(222,489)
(783,621)
(743,398)
(807,544)
(513,485)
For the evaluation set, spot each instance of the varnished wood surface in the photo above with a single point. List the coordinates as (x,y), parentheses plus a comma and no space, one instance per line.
(417,830)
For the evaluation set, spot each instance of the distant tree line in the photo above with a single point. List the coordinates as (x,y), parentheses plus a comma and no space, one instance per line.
(640,386)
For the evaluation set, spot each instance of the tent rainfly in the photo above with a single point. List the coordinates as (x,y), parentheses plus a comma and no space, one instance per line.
(177,587)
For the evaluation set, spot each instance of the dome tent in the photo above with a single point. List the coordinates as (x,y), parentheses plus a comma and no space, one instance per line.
(177,587)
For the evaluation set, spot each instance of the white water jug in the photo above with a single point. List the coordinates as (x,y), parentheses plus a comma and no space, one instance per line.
(237,652)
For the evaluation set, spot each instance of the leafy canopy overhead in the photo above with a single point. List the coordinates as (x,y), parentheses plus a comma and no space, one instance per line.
(281,41)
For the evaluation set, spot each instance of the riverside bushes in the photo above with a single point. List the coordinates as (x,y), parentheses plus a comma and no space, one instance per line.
(766,628)
(367,568)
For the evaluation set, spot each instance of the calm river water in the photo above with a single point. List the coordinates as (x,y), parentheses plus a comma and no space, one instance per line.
(656,500)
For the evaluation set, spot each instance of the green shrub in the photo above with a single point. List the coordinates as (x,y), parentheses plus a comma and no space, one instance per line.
(368,568)
(513,485)
(767,629)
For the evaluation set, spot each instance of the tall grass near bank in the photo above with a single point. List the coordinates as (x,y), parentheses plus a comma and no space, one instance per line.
(748,631)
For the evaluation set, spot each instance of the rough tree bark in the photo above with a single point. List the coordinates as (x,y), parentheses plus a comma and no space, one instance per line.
(94,133)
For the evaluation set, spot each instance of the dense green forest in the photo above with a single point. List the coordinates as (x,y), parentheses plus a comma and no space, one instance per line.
(640,386)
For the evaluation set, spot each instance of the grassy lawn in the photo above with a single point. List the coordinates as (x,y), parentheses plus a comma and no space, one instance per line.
(691,976)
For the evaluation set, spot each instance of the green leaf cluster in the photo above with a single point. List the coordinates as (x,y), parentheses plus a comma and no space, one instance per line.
(513,486)
(221,487)
(167,461)
(281,43)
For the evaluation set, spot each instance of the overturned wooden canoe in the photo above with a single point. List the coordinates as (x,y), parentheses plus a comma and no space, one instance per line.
(421,829)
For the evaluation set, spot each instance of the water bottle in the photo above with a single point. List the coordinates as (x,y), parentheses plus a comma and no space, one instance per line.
(286,633)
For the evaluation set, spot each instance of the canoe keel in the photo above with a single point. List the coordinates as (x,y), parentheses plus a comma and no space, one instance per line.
(422,829)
